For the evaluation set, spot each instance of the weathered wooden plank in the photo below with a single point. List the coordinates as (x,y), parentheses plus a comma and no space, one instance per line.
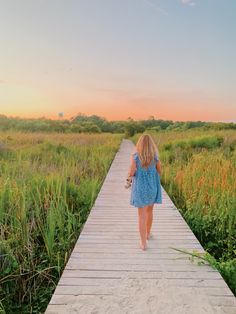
(155,231)
(133,246)
(80,281)
(129,267)
(126,256)
(107,288)
(70,308)
(184,274)
(130,250)
(169,260)
(169,242)
(157,235)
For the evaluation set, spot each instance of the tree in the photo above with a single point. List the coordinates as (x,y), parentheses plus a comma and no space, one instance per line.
(129,129)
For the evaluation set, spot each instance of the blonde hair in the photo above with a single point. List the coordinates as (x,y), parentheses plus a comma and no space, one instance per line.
(146,149)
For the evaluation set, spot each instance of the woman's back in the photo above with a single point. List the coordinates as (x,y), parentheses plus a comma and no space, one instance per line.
(146,186)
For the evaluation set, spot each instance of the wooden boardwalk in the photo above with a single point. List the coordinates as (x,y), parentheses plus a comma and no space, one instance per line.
(108,273)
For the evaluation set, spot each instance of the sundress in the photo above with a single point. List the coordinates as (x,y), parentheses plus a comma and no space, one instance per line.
(146,184)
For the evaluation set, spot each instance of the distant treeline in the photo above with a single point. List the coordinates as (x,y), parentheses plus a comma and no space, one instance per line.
(96,124)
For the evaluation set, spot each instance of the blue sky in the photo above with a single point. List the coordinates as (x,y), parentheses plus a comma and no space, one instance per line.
(172,59)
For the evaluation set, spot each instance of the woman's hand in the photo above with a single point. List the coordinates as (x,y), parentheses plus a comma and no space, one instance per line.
(128,182)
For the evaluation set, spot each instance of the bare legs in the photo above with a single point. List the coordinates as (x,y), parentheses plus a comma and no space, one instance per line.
(149,219)
(142,215)
(145,223)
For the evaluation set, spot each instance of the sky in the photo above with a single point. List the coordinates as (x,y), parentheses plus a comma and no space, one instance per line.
(171,59)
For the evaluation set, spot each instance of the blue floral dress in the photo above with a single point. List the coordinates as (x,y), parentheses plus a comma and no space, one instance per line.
(146,185)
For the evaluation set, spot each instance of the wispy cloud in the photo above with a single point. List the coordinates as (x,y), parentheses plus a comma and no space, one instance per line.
(156,7)
(188,2)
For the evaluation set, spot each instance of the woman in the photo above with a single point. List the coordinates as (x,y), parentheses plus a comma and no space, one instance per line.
(145,170)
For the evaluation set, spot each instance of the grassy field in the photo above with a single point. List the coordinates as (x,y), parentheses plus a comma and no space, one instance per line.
(48,183)
(199,174)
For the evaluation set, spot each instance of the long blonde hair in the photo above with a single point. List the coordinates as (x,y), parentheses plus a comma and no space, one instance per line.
(146,149)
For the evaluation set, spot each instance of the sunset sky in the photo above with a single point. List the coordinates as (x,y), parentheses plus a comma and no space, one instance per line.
(171,59)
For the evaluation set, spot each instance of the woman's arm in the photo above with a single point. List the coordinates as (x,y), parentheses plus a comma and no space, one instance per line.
(132,168)
(158,167)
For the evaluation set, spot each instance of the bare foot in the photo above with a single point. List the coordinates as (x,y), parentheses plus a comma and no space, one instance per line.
(143,246)
(149,236)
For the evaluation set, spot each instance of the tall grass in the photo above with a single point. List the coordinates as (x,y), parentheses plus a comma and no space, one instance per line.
(199,171)
(48,183)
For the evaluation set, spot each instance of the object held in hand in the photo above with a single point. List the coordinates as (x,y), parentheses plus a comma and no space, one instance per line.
(128,182)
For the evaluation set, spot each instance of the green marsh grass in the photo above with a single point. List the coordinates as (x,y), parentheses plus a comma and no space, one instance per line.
(48,184)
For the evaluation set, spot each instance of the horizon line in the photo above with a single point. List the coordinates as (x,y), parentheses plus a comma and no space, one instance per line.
(111,120)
